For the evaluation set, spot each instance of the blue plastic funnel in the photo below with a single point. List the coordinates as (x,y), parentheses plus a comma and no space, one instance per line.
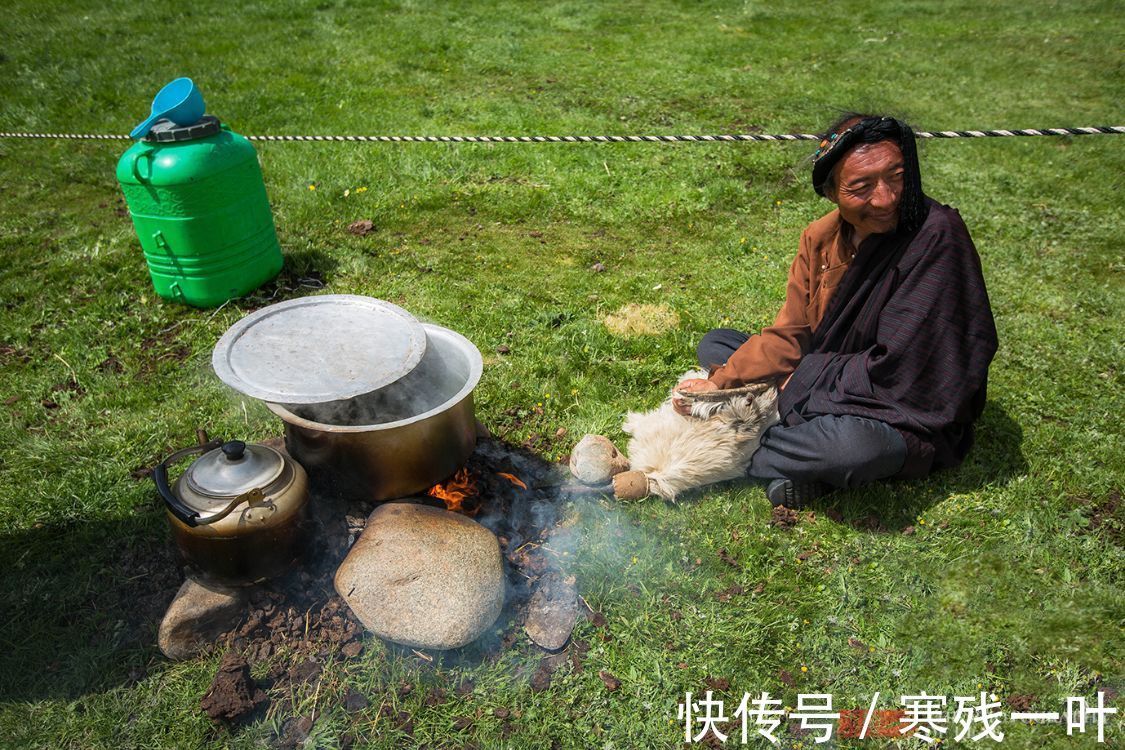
(180,101)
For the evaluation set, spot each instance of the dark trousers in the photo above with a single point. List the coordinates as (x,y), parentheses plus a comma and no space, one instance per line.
(843,451)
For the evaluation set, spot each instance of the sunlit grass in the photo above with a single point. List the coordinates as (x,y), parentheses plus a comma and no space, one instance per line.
(1004,582)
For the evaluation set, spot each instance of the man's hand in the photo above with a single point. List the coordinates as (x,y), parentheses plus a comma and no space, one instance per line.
(691,385)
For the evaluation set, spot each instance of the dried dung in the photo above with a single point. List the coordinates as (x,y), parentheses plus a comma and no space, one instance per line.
(611,682)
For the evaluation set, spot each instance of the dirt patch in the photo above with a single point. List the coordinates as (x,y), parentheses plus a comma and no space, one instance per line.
(286,285)
(729,593)
(641,320)
(143,582)
(10,354)
(1107,516)
(69,386)
(233,695)
(164,346)
(111,364)
(548,665)
(717,684)
(870,522)
(728,558)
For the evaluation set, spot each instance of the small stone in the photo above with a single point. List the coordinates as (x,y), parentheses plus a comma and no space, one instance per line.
(597,267)
(595,460)
(197,617)
(423,577)
(552,612)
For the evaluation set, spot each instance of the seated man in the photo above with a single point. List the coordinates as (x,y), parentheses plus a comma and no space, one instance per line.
(883,344)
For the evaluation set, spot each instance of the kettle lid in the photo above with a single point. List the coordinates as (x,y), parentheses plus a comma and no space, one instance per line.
(234,469)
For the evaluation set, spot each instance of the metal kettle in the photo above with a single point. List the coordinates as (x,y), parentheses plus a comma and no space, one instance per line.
(238,513)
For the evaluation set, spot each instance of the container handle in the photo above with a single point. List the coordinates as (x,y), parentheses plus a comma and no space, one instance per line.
(160,477)
(137,168)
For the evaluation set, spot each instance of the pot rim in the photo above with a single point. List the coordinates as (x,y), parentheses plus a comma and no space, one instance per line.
(476,368)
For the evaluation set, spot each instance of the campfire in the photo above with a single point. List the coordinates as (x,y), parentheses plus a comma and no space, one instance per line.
(461,493)
(456,491)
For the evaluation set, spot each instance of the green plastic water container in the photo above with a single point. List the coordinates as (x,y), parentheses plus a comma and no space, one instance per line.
(200,210)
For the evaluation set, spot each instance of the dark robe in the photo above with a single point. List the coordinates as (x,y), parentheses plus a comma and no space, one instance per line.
(907,340)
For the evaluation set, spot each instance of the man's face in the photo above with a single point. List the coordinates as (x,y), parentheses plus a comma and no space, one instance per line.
(869,187)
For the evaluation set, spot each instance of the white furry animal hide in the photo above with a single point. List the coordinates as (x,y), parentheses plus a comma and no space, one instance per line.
(679,453)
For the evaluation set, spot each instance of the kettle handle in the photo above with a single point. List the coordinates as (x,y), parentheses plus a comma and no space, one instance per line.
(160,477)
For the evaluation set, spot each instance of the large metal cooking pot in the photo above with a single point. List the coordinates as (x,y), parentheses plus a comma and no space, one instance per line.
(400,439)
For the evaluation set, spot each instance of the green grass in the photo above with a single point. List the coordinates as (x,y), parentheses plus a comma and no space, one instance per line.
(1013,577)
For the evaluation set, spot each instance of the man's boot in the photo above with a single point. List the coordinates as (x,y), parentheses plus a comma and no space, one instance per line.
(793,494)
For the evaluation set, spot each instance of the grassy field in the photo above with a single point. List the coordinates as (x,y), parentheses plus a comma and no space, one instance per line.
(1006,575)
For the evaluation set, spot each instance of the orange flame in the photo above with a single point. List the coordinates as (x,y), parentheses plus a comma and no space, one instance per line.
(513,479)
(455,491)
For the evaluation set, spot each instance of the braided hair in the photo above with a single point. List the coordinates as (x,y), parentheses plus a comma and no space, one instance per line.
(854,130)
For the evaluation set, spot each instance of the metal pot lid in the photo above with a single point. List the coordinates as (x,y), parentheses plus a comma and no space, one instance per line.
(234,469)
(310,350)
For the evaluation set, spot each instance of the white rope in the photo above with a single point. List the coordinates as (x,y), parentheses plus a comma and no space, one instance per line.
(727,138)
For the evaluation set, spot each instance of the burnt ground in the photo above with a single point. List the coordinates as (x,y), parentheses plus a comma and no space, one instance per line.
(296,623)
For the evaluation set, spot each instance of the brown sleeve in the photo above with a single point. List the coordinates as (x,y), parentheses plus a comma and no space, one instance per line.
(775,352)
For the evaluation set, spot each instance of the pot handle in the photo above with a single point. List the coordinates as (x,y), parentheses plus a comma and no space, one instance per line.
(160,477)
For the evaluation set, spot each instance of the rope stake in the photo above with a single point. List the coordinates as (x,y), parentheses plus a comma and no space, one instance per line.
(1104,129)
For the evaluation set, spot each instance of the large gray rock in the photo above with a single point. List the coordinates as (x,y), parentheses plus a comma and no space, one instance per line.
(423,577)
(197,617)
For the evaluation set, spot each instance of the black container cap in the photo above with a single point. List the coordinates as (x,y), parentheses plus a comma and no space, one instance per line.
(166,130)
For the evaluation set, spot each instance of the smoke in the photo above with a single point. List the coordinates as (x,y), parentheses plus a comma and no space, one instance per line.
(572,528)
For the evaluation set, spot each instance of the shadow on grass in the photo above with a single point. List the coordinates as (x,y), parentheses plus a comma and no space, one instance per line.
(81,605)
(304,272)
(995,458)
